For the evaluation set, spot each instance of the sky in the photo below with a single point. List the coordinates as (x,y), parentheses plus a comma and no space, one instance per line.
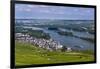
(27,11)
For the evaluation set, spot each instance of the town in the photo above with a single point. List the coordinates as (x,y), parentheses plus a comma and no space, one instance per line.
(48,44)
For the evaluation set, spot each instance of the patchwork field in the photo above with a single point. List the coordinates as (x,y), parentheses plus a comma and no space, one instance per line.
(27,54)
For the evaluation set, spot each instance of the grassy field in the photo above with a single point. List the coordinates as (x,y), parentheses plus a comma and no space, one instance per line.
(26,54)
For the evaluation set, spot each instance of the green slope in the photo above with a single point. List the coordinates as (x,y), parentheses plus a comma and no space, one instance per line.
(26,54)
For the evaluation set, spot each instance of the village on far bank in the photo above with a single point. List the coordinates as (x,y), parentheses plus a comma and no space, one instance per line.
(49,44)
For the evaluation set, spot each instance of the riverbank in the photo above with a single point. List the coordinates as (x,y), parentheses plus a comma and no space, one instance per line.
(27,54)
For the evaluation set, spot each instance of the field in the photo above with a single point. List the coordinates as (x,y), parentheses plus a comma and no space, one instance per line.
(27,54)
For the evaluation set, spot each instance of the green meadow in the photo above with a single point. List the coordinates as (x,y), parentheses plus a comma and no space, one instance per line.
(28,54)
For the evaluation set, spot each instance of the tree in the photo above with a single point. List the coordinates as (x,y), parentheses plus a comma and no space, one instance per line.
(64,48)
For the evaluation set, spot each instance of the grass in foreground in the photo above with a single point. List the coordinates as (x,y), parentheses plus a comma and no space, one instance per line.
(27,54)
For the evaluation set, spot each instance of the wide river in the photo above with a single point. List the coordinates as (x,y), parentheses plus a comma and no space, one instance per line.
(72,41)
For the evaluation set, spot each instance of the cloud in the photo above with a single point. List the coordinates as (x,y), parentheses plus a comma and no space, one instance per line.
(44,6)
(28,10)
(31,6)
(38,6)
(46,11)
(16,6)
(40,11)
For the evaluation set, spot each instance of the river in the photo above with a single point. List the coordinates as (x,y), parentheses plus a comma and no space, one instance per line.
(72,41)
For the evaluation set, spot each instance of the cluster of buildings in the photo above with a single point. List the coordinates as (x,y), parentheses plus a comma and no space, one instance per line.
(49,44)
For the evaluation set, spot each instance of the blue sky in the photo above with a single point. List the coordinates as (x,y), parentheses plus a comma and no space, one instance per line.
(27,11)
